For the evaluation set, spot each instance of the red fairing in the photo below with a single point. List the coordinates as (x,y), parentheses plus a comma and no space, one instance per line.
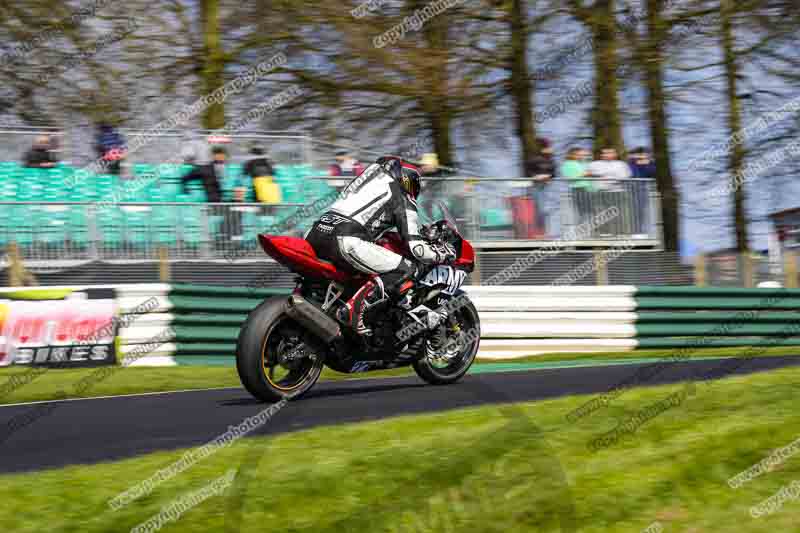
(467,257)
(298,256)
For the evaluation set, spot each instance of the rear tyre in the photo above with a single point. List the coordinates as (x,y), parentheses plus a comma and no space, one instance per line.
(267,354)
(463,340)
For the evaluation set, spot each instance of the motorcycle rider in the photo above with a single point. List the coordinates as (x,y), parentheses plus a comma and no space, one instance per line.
(382,197)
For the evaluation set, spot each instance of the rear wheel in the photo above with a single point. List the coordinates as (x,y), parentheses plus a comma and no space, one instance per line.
(272,358)
(454,352)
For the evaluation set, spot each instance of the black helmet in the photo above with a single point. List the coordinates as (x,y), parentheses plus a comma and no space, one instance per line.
(406,174)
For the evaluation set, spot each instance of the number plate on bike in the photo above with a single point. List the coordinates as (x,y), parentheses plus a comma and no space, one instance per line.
(445,275)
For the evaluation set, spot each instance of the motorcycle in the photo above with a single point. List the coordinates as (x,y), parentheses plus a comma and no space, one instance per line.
(285,342)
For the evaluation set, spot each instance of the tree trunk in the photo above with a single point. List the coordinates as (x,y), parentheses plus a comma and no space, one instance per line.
(606,120)
(213,63)
(736,160)
(653,64)
(436,103)
(521,86)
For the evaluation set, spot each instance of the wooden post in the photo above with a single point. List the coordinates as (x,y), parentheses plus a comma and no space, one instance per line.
(790,269)
(700,270)
(18,275)
(164,273)
(601,268)
(748,271)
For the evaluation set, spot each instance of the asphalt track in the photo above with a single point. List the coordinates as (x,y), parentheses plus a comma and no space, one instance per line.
(94,430)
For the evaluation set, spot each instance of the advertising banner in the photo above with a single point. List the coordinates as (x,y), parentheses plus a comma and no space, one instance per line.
(63,326)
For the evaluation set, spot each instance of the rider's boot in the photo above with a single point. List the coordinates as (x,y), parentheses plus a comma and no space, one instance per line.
(353,312)
(372,293)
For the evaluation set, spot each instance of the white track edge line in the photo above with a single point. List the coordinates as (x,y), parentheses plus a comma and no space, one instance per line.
(132,395)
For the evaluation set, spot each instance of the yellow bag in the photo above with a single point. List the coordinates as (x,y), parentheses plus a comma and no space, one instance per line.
(267,191)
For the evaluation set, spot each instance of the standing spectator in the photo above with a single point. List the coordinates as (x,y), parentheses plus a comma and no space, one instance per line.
(260,171)
(541,169)
(643,168)
(40,155)
(211,176)
(110,147)
(611,174)
(575,169)
(345,165)
(55,148)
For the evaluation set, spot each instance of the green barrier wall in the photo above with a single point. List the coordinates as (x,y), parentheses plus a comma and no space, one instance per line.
(206,319)
(716,317)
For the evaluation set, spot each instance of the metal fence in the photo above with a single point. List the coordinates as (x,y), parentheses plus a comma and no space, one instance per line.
(492,213)
(56,234)
(519,210)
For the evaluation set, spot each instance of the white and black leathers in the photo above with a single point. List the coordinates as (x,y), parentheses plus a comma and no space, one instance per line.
(370,205)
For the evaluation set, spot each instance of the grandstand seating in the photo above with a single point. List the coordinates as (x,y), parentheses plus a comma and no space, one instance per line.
(142,225)
(44,223)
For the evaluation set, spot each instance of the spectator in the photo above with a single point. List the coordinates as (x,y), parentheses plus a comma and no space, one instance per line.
(54,146)
(575,169)
(40,155)
(110,147)
(611,174)
(260,171)
(430,167)
(643,169)
(211,176)
(542,169)
(346,165)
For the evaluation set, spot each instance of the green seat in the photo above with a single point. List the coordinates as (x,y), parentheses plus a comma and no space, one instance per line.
(189,224)
(136,222)
(170,190)
(141,169)
(52,223)
(164,225)
(22,223)
(495,217)
(110,223)
(291,185)
(77,224)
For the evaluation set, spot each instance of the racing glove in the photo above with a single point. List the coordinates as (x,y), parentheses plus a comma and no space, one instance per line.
(445,251)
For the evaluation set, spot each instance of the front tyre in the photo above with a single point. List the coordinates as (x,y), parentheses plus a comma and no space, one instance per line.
(456,352)
(272,359)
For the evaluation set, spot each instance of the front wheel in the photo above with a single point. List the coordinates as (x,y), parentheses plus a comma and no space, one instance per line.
(272,358)
(449,352)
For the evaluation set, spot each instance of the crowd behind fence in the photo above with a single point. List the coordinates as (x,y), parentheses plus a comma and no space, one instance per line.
(75,146)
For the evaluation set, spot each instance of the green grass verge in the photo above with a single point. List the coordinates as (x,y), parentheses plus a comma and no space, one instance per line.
(134,380)
(772,351)
(492,468)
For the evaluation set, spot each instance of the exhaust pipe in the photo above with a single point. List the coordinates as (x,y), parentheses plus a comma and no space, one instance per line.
(313,318)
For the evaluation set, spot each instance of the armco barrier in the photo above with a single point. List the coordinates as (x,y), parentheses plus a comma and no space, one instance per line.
(516,321)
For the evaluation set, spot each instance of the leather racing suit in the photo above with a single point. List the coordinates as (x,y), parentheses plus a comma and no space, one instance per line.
(371,204)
